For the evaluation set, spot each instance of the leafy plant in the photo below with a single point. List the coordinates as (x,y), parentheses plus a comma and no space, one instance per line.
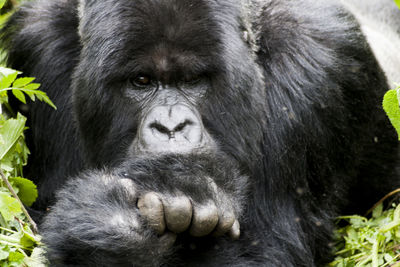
(2,2)
(391,107)
(397,3)
(369,242)
(19,242)
(19,86)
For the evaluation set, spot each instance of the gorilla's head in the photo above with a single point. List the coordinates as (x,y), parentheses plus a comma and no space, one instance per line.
(156,78)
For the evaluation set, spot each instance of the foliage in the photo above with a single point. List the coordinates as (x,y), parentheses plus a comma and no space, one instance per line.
(391,107)
(19,86)
(397,3)
(369,242)
(19,245)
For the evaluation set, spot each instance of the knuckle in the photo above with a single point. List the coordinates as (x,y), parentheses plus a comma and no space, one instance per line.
(150,206)
(205,218)
(234,232)
(178,213)
(225,223)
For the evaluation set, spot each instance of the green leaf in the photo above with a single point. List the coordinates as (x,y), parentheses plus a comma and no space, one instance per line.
(37,258)
(7,164)
(32,86)
(2,2)
(392,109)
(357,221)
(397,3)
(10,132)
(27,241)
(21,82)
(4,254)
(42,96)
(27,190)
(49,102)
(28,231)
(9,206)
(19,95)
(7,81)
(377,212)
(16,257)
(7,71)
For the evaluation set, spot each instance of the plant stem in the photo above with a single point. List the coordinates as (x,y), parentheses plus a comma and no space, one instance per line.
(33,224)
(383,199)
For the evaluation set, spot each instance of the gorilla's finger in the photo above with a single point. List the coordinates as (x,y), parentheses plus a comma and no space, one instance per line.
(167,241)
(151,208)
(128,184)
(205,218)
(225,223)
(234,232)
(178,213)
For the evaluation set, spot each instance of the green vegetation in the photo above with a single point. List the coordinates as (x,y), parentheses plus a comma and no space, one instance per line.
(397,3)
(391,107)
(19,241)
(369,242)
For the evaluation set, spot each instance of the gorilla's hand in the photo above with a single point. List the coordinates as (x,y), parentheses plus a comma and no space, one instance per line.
(180,212)
(131,215)
(195,193)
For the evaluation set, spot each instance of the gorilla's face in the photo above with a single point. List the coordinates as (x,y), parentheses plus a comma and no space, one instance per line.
(165,83)
(171,122)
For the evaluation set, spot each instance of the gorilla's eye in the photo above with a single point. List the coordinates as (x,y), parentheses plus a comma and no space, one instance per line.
(141,81)
(193,79)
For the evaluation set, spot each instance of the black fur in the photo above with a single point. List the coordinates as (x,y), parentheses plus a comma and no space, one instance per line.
(103,220)
(295,109)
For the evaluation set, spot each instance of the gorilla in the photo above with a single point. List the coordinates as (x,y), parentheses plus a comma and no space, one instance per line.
(204,132)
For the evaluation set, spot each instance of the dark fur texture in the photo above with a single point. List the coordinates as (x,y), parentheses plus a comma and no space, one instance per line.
(103,220)
(295,110)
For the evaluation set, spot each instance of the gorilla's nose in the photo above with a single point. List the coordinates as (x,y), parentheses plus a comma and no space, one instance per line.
(171,128)
(160,128)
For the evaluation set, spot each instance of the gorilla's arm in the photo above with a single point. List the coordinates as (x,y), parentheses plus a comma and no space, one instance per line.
(96,223)
(113,218)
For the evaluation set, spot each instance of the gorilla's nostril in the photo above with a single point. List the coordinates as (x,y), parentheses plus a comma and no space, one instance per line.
(165,130)
(159,127)
(182,125)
